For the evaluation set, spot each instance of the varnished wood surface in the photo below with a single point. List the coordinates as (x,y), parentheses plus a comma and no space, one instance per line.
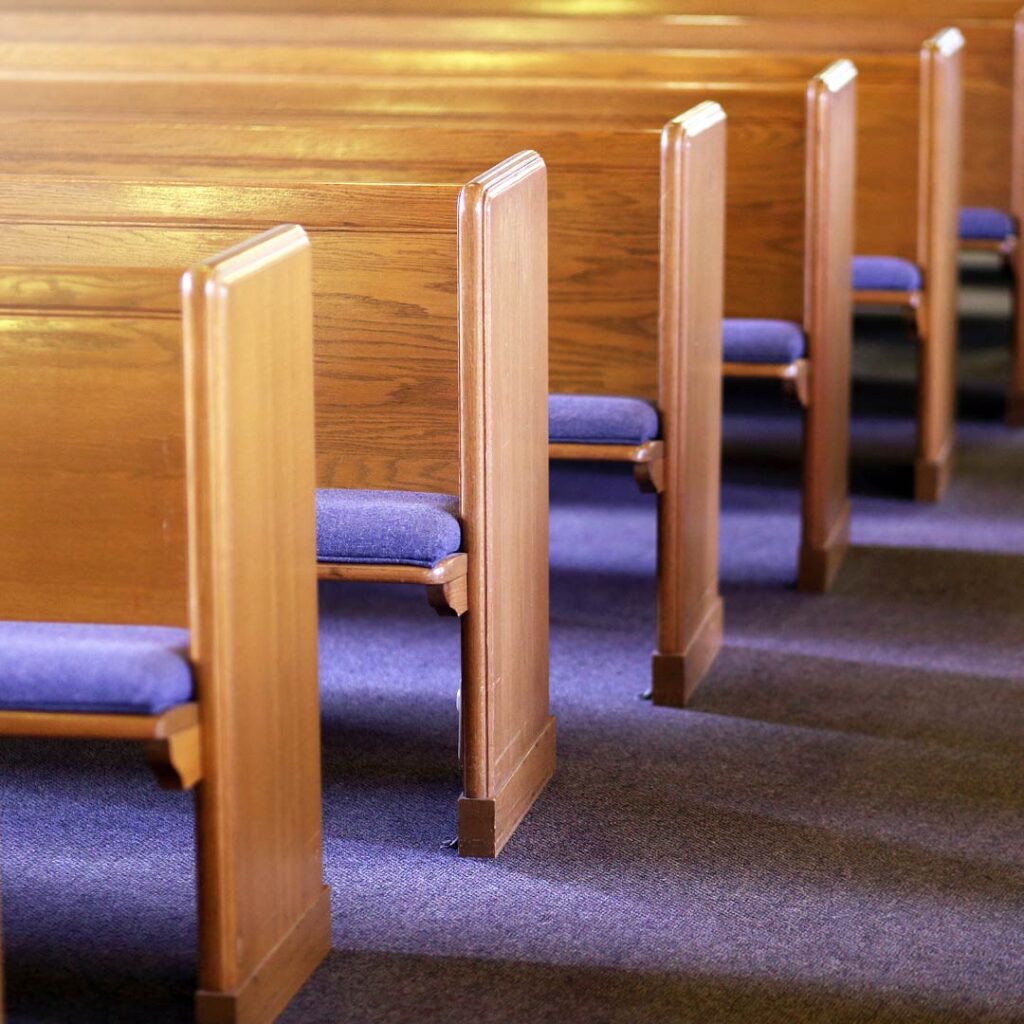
(942,90)
(832,105)
(889,92)
(248,326)
(988,62)
(444,572)
(690,397)
(111,466)
(767,136)
(504,488)
(386,315)
(61,725)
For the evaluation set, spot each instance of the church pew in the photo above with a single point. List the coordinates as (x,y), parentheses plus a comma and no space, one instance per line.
(908,161)
(126,618)
(430,351)
(789,176)
(909,120)
(992,180)
(620,203)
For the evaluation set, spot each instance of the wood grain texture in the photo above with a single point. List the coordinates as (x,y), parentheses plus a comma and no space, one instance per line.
(386,318)
(989,60)
(504,486)
(248,327)
(888,103)
(692,247)
(92,525)
(767,128)
(832,112)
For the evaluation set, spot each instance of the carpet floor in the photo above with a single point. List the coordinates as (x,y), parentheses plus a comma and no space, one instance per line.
(833,833)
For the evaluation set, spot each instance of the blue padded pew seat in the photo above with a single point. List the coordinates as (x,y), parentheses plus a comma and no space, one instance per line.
(386,527)
(885,274)
(93,669)
(986,223)
(747,340)
(601,419)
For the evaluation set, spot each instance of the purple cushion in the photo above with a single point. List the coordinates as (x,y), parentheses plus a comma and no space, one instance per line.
(747,340)
(885,274)
(386,527)
(61,666)
(986,222)
(601,419)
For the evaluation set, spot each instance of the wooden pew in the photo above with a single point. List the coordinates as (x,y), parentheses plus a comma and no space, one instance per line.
(430,377)
(909,121)
(624,205)
(788,257)
(992,180)
(93,530)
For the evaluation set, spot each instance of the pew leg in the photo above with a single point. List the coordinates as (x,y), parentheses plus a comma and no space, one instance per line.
(936,400)
(508,733)
(1015,396)
(825,527)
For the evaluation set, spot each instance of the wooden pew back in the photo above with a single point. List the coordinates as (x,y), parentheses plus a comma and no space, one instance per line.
(989,59)
(768,132)
(604,209)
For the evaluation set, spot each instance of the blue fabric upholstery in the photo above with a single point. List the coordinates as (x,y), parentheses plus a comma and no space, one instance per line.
(59,666)
(885,274)
(986,222)
(386,527)
(747,340)
(601,419)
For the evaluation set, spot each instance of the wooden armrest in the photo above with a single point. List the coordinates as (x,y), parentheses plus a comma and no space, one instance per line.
(171,738)
(447,590)
(796,375)
(647,459)
(911,300)
(999,246)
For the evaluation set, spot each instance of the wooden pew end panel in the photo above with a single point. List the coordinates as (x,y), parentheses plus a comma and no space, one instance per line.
(284,970)
(487,824)
(446,582)
(675,677)
(932,476)
(820,566)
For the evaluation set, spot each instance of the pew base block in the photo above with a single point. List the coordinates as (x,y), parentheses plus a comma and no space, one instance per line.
(1015,410)
(675,677)
(486,825)
(269,989)
(820,566)
(932,476)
